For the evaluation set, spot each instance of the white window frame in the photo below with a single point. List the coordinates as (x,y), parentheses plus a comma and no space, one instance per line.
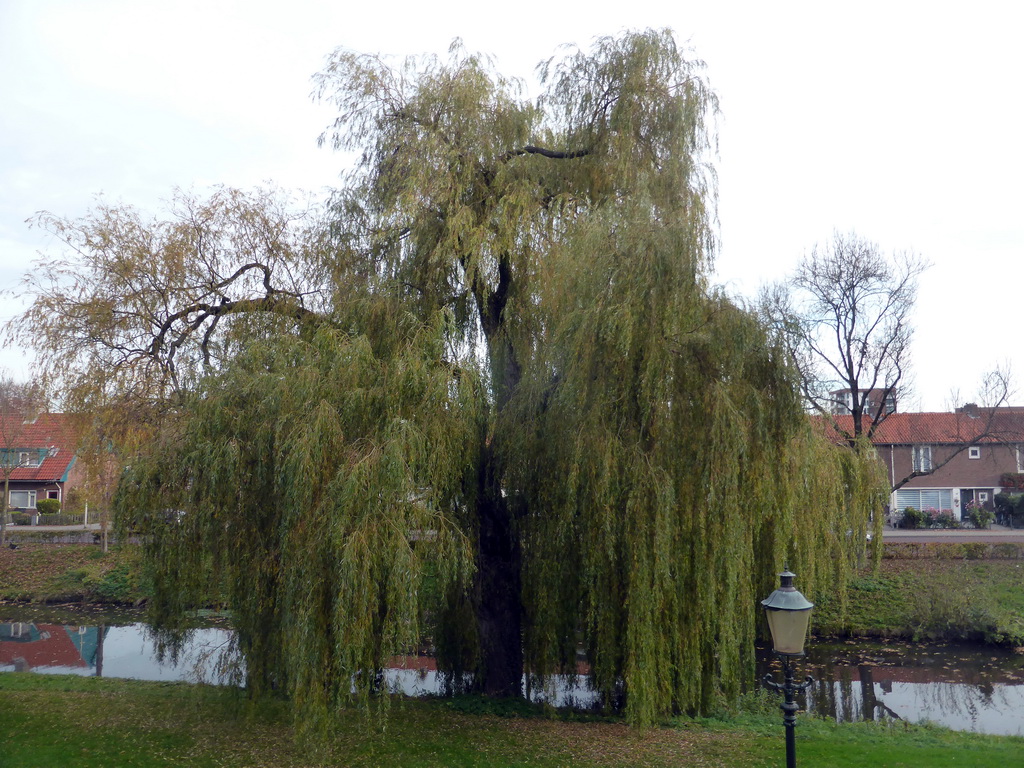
(921,457)
(982,497)
(1020,458)
(974,452)
(30,496)
(925,498)
(28,459)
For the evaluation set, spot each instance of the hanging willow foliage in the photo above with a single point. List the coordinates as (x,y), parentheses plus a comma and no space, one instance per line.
(315,483)
(667,471)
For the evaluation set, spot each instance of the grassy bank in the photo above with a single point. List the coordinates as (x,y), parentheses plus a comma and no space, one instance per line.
(114,722)
(930,598)
(41,571)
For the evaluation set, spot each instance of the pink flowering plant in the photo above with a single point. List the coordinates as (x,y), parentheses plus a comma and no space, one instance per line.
(978,516)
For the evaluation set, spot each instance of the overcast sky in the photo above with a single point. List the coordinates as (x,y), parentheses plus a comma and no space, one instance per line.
(902,121)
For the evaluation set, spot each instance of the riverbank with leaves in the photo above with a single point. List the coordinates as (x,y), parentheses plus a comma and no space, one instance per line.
(128,723)
(40,571)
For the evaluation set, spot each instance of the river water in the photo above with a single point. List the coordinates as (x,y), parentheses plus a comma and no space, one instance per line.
(963,687)
(972,688)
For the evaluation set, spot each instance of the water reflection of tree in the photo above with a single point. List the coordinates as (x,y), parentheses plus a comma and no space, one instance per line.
(851,693)
(836,694)
(968,702)
(218,662)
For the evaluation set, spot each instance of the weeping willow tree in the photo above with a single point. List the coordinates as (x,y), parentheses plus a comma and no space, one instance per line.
(497,369)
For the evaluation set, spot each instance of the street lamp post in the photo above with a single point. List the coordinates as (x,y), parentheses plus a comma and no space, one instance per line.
(788,613)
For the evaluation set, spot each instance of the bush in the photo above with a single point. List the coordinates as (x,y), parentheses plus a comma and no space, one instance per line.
(980,517)
(48,506)
(20,518)
(941,519)
(959,550)
(976,550)
(118,585)
(970,612)
(914,518)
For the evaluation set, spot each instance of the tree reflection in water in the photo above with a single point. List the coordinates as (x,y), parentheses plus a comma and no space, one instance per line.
(211,655)
(962,687)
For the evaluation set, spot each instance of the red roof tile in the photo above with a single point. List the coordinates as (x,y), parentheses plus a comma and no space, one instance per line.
(53,432)
(1002,425)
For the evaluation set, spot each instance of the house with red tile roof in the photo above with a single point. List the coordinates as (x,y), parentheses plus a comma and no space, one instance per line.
(945,461)
(41,457)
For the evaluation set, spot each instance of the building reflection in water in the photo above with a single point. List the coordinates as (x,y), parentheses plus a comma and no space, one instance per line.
(52,648)
(135,652)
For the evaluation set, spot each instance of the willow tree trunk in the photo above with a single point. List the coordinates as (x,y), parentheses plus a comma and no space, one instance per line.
(499,609)
(499,564)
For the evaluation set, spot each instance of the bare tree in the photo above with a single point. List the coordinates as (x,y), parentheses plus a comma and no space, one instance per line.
(17,402)
(844,316)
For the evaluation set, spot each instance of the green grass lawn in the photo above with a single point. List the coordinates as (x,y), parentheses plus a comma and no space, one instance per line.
(72,721)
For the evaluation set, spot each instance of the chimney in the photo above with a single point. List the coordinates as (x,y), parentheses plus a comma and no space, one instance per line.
(970,410)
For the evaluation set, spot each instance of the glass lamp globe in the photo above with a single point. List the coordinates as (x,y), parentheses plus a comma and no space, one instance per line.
(788,613)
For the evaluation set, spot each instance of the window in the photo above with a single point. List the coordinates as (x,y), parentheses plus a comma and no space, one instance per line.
(922,458)
(974,452)
(20,458)
(53,495)
(1020,458)
(941,499)
(982,497)
(23,499)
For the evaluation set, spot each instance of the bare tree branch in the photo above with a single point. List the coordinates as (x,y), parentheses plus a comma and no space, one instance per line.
(844,318)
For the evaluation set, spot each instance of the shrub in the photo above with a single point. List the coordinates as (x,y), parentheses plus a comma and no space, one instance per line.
(20,518)
(936,612)
(1009,508)
(979,516)
(48,506)
(976,550)
(119,584)
(942,519)
(914,518)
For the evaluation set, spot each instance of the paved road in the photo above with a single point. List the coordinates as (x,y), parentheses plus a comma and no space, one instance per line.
(995,535)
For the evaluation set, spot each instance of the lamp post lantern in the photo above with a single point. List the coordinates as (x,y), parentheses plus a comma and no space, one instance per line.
(788,613)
